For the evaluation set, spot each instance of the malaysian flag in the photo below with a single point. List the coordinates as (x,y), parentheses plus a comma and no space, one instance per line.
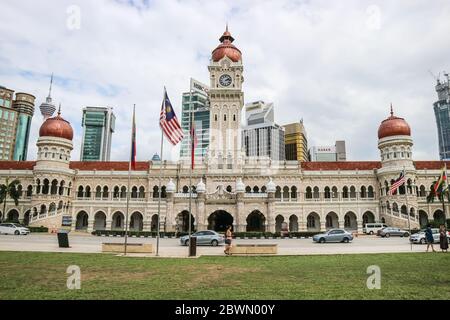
(169,123)
(400,181)
(194,143)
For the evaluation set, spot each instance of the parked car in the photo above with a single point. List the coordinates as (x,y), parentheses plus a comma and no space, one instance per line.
(334,235)
(419,237)
(208,237)
(13,228)
(373,228)
(391,231)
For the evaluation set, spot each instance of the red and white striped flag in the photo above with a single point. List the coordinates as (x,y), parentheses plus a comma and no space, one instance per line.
(169,123)
(398,183)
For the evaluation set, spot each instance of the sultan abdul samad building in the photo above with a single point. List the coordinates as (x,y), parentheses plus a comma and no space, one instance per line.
(251,194)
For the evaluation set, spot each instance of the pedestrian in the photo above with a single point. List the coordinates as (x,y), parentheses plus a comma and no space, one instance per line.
(443,240)
(429,238)
(228,239)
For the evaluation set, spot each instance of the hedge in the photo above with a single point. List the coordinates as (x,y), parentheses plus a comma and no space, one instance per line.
(152,234)
(38,229)
(121,233)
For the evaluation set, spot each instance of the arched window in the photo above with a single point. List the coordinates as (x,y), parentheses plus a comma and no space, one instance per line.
(123,192)
(234,117)
(255,189)
(30,191)
(263,189)
(45,188)
(316,193)
(224,117)
(105,193)
(308,194)
(422,192)
(278,192)
(370,192)
(334,192)
(80,193)
(98,192)
(327,193)
(215,117)
(155,192)
(294,192)
(141,192)
(134,192)
(116,192)
(61,188)
(88,192)
(248,189)
(345,192)
(229,189)
(286,192)
(352,192)
(363,192)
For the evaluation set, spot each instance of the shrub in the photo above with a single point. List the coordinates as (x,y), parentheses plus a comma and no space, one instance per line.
(38,229)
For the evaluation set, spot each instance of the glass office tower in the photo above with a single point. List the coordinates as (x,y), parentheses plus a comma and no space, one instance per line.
(199,102)
(24,105)
(99,125)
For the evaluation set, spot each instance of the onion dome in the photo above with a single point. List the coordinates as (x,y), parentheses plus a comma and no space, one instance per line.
(48,108)
(56,127)
(170,188)
(156,157)
(393,126)
(240,186)
(201,187)
(226,48)
(271,187)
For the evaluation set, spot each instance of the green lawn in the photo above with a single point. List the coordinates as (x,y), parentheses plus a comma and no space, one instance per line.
(26,275)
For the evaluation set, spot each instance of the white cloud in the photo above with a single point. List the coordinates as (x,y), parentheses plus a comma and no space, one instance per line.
(334,64)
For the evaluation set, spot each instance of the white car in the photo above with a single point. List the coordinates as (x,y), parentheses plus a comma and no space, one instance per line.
(373,228)
(419,237)
(13,228)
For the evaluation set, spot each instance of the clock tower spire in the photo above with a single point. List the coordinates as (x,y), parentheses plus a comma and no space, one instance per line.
(226,101)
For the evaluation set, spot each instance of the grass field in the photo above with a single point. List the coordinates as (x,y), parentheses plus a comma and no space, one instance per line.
(26,275)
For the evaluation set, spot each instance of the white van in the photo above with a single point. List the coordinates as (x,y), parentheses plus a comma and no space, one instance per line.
(372,228)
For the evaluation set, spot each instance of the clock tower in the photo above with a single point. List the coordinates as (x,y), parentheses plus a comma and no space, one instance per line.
(226,103)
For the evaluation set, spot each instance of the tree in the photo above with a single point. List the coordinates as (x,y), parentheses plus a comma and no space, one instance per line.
(11,190)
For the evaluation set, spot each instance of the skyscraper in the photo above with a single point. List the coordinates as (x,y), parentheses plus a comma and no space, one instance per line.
(442,114)
(197,99)
(99,125)
(296,141)
(15,123)
(262,137)
(329,153)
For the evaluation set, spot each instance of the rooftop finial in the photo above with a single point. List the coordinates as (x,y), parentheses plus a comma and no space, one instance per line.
(226,29)
(59,109)
(392,110)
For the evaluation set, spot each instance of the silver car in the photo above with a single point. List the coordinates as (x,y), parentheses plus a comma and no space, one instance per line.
(334,235)
(13,228)
(391,231)
(419,237)
(208,237)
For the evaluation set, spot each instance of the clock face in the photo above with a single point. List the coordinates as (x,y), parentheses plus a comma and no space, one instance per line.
(225,80)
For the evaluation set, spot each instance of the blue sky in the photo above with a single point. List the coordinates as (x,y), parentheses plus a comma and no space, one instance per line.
(338,65)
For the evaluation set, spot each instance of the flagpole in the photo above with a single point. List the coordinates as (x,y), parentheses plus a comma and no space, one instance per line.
(159,189)
(129,184)
(407,209)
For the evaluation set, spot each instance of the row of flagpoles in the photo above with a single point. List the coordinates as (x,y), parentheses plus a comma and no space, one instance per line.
(172,131)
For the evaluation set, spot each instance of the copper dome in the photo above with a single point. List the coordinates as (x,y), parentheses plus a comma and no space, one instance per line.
(226,48)
(56,127)
(393,126)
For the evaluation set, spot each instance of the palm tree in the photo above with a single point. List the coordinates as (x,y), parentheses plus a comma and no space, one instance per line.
(11,190)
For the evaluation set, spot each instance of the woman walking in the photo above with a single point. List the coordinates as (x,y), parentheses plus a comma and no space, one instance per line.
(429,238)
(443,240)
(228,239)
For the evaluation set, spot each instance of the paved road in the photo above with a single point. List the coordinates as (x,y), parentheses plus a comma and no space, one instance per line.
(171,247)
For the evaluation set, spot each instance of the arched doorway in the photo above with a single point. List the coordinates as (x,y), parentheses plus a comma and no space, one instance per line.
(256,222)
(219,220)
(293,223)
(136,222)
(368,217)
(332,220)
(154,226)
(423,219)
(439,217)
(100,221)
(313,222)
(279,223)
(118,221)
(13,216)
(82,221)
(350,221)
(26,218)
(183,221)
